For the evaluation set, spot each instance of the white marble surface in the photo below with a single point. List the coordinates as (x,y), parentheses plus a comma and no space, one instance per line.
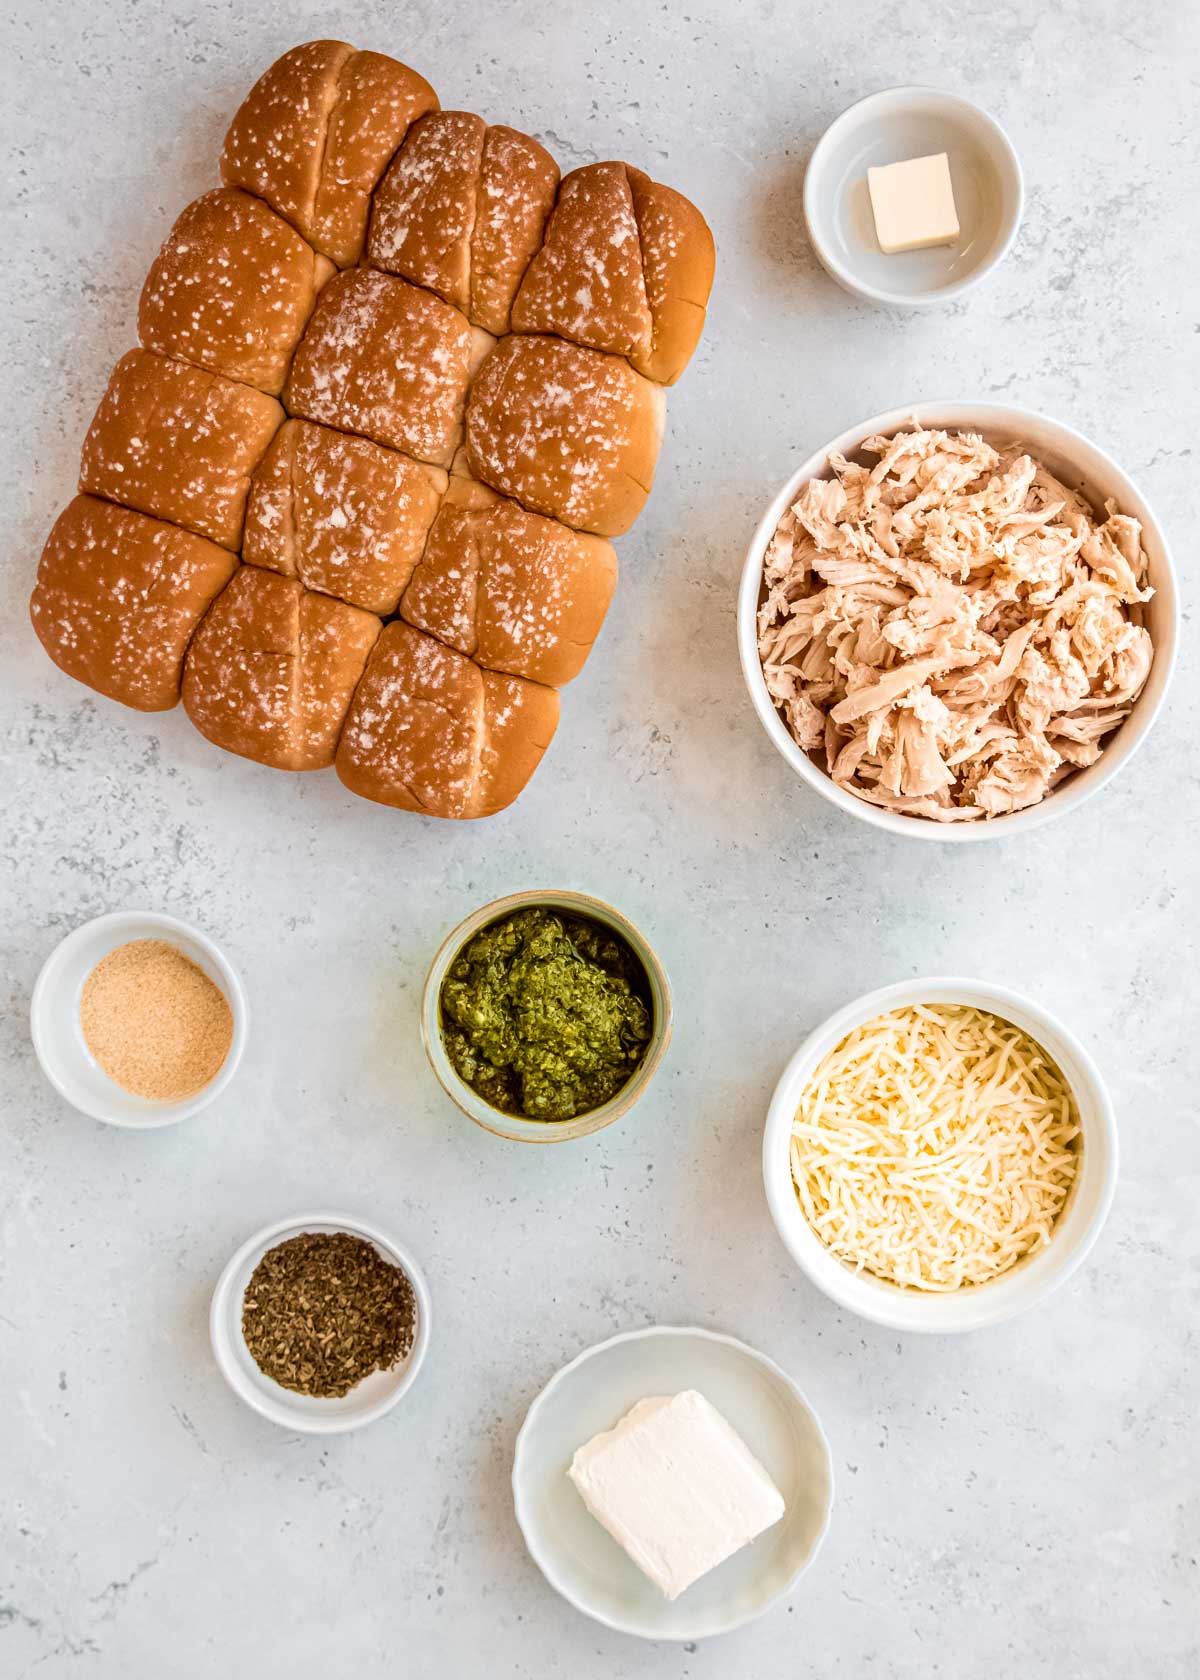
(1016,1503)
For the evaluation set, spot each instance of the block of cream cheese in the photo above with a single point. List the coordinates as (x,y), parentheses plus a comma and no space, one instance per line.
(913,204)
(677,1487)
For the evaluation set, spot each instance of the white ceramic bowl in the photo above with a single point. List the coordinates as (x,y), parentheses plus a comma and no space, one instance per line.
(374,1396)
(1082,466)
(891,127)
(1032,1279)
(516,1127)
(58,1036)
(585,1564)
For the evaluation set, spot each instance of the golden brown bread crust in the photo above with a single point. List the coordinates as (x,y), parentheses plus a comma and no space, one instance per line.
(231,290)
(514,590)
(678,262)
(626,267)
(586,282)
(344,515)
(315,134)
(118,597)
(462,210)
(388,361)
(176,442)
(428,731)
(272,668)
(569,432)
(424,210)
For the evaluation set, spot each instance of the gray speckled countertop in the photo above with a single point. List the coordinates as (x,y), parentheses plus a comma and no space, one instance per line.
(1017,1503)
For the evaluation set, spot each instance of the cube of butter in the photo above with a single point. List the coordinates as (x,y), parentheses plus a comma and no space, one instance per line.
(677,1487)
(913,204)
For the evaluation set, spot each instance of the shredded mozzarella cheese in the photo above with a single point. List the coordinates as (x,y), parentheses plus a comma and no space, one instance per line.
(935,1147)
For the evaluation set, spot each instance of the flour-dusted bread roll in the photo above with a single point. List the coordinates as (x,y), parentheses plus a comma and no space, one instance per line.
(344,515)
(626,267)
(232,289)
(430,731)
(569,432)
(118,597)
(389,361)
(174,441)
(516,591)
(462,210)
(315,134)
(271,670)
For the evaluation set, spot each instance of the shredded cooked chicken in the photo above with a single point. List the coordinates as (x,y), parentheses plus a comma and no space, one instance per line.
(950,632)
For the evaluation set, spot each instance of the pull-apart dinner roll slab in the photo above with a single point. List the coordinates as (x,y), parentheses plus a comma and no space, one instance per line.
(270,671)
(232,290)
(429,731)
(118,597)
(344,515)
(626,266)
(315,134)
(179,443)
(569,432)
(389,361)
(516,591)
(462,210)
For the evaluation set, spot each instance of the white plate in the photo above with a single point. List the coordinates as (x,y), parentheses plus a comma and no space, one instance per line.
(585,1564)
(372,1397)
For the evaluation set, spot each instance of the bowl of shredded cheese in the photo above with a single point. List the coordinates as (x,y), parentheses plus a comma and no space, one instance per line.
(939,1155)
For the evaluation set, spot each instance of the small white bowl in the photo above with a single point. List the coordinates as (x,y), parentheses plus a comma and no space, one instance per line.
(1031,1279)
(58,1034)
(585,1564)
(1082,466)
(891,127)
(515,1127)
(372,1397)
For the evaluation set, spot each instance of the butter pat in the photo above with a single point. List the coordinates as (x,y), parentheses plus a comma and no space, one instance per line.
(913,204)
(677,1487)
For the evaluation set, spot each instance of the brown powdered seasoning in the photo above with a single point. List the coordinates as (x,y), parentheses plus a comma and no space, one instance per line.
(156,1023)
(325,1309)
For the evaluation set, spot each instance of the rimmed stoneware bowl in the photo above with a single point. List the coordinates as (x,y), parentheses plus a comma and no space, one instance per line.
(1082,466)
(372,1397)
(585,1564)
(1030,1280)
(514,1126)
(58,1033)
(891,127)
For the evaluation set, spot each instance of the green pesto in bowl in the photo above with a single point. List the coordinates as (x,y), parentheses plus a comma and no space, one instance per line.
(545,1014)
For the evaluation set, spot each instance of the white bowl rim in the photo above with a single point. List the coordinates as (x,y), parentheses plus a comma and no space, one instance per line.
(168,1114)
(897,96)
(644,1333)
(277,1411)
(848,1291)
(982,417)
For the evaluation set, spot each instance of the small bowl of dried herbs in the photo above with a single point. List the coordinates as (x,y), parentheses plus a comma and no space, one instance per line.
(545,1016)
(320,1323)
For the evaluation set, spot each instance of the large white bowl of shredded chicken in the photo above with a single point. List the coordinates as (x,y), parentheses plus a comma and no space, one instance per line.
(940,1155)
(956,621)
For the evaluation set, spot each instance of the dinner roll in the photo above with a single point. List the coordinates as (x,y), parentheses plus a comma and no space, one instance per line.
(271,669)
(315,134)
(569,432)
(232,289)
(389,361)
(462,210)
(626,266)
(344,515)
(429,731)
(515,590)
(118,596)
(179,443)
